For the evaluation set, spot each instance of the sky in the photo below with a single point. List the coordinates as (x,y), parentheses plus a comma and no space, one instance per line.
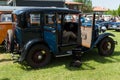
(110,4)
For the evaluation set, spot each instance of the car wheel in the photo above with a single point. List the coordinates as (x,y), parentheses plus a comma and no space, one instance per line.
(8,41)
(38,56)
(106,46)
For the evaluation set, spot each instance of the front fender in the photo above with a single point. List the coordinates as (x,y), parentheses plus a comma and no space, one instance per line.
(102,36)
(27,47)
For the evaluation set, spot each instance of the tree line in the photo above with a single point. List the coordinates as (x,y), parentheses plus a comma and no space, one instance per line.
(87,7)
(114,12)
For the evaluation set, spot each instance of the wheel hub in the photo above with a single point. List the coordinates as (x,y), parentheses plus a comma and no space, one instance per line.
(107,46)
(39,57)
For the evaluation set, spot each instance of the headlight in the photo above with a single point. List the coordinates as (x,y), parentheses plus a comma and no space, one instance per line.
(103,28)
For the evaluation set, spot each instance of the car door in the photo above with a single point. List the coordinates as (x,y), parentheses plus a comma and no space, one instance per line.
(33,29)
(86,34)
(50,31)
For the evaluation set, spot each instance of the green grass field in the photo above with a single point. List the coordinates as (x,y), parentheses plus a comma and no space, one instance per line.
(95,67)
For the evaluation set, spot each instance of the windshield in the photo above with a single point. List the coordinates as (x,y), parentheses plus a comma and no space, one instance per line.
(71,18)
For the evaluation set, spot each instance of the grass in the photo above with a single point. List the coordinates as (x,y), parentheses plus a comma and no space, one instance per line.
(95,67)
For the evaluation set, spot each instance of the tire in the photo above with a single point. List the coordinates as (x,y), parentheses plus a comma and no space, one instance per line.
(8,41)
(38,56)
(106,47)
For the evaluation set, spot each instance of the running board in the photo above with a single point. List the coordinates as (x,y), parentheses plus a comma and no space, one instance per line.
(67,54)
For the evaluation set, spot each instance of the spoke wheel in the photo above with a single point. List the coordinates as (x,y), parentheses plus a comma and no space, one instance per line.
(38,56)
(106,46)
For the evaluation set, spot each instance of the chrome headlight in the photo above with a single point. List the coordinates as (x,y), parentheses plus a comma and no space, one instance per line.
(103,28)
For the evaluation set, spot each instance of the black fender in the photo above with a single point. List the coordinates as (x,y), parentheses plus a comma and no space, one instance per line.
(27,47)
(100,37)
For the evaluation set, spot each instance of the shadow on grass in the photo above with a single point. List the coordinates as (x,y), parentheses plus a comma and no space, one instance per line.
(5,60)
(2,50)
(5,79)
(61,61)
(91,55)
(114,31)
(65,61)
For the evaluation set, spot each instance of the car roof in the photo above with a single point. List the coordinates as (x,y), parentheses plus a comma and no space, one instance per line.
(9,8)
(45,9)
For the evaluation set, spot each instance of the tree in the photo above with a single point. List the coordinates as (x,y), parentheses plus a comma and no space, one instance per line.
(114,13)
(118,11)
(109,12)
(87,5)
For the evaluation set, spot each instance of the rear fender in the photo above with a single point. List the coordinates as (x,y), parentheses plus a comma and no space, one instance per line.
(102,36)
(27,47)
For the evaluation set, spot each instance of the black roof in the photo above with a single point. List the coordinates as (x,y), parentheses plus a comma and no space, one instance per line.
(45,9)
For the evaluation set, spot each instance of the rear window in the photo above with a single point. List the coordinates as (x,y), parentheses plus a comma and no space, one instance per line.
(6,18)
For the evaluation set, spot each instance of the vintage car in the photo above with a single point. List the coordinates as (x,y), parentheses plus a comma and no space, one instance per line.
(112,25)
(5,22)
(117,26)
(105,23)
(40,33)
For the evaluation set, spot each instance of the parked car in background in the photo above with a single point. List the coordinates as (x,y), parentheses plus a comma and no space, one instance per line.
(99,21)
(5,22)
(105,23)
(112,25)
(68,18)
(98,27)
(117,28)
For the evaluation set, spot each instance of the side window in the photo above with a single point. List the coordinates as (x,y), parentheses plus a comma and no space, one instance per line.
(6,18)
(50,20)
(33,20)
(71,18)
(68,18)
